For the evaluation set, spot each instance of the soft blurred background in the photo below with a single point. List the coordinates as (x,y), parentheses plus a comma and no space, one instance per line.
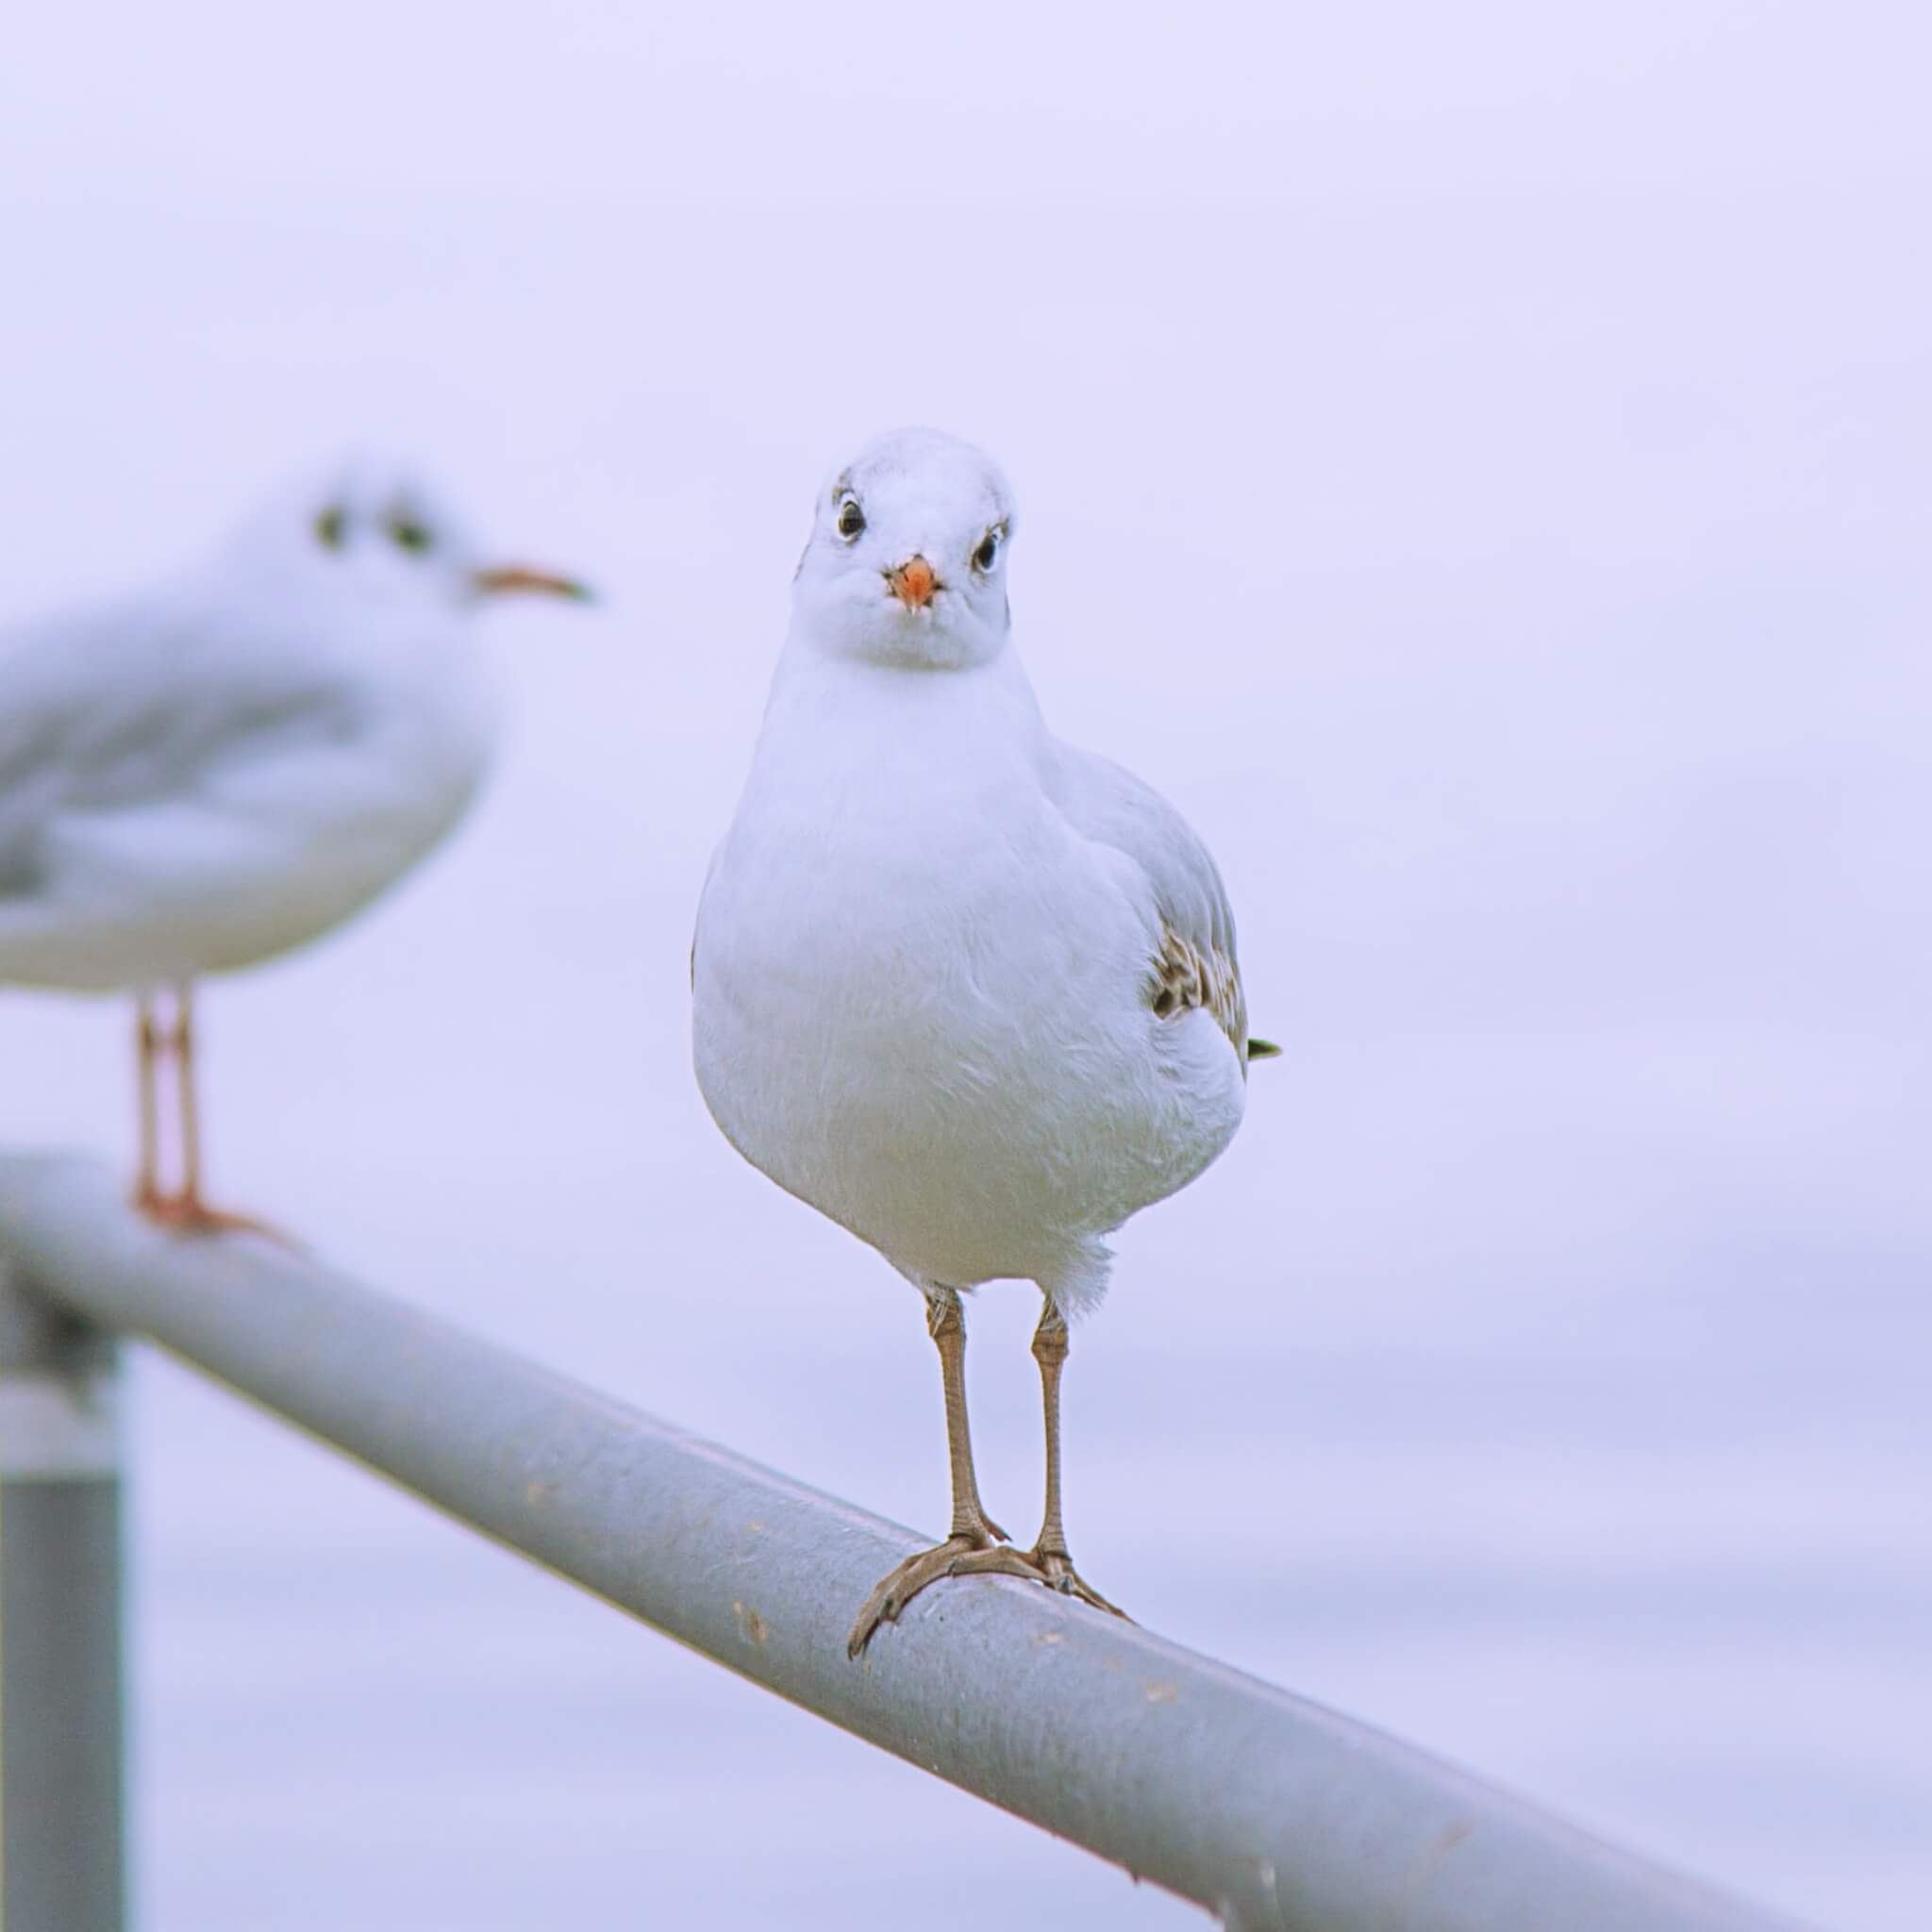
(1473,459)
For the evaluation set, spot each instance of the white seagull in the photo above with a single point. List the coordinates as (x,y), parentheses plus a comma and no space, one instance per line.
(228,764)
(966,989)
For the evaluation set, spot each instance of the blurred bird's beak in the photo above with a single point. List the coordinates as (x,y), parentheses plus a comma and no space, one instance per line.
(517,576)
(913,583)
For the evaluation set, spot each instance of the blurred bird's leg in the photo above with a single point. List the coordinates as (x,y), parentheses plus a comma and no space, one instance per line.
(147,1045)
(185,1209)
(1048,1561)
(973,1529)
(189,1202)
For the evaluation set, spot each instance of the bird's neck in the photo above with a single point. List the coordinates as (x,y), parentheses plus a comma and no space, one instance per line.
(810,676)
(887,724)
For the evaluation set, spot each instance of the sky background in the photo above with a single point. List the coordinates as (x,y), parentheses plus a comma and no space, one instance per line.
(1475,461)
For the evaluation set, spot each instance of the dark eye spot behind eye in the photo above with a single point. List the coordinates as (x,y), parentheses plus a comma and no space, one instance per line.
(330,528)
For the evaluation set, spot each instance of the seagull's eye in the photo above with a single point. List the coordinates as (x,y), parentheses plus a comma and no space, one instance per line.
(989,552)
(408,534)
(329,528)
(851,517)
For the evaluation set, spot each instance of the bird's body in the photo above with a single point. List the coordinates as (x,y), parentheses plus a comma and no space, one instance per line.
(969,991)
(205,776)
(923,981)
(200,776)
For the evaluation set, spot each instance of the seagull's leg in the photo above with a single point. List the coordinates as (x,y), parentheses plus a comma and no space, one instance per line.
(186,1209)
(1049,1560)
(189,1202)
(1050,1346)
(147,1045)
(946,1322)
(973,1529)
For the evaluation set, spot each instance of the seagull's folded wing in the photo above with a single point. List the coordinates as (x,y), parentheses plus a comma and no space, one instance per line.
(1196,965)
(116,731)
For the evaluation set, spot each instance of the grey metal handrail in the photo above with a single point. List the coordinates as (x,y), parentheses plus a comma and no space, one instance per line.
(1269,1810)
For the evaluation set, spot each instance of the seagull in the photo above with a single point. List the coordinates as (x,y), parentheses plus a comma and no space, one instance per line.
(232,762)
(967,991)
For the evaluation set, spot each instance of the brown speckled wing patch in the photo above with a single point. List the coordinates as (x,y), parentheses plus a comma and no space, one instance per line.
(1187,975)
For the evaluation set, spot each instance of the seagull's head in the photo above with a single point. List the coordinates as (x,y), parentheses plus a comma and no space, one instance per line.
(371,528)
(906,563)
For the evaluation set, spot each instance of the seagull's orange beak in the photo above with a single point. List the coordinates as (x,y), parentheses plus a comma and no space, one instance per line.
(517,576)
(913,583)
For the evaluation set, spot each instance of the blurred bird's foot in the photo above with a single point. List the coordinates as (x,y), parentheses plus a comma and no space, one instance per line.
(897,1589)
(191,1215)
(1054,1568)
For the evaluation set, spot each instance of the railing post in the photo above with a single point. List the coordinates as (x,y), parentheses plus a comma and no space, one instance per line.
(61,1718)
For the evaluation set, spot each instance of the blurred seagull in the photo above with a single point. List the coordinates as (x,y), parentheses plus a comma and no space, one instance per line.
(967,991)
(222,767)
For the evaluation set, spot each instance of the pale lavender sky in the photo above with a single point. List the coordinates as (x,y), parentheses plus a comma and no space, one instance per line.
(1475,463)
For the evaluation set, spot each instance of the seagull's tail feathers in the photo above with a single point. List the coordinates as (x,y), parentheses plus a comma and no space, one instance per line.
(1262,1049)
(1076,1287)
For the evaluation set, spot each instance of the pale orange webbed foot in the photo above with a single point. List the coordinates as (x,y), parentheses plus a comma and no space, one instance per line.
(190,1215)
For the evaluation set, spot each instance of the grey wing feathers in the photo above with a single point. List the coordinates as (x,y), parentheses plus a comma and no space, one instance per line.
(88,728)
(1196,965)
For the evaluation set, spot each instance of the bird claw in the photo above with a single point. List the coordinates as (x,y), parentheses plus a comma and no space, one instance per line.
(1054,1568)
(962,1555)
(899,1586)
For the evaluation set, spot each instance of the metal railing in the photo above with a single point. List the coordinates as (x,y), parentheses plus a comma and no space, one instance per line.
(1272,1812)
